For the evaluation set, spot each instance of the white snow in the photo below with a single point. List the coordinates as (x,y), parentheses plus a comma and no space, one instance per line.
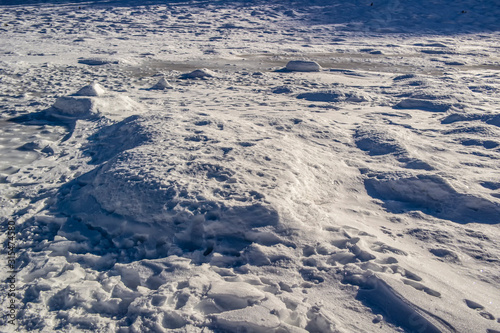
(162,84)
(93,89)
(355,191)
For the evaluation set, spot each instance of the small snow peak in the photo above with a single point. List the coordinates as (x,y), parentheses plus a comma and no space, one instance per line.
(162,84)
(93,89)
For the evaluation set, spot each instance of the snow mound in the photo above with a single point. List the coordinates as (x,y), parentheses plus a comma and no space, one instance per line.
(97,61)
(423,104)
(282,90)
(254,319)
(93,101)
(236,295)
(322,96)
(162,84)
(303,66)
(198,74)
(335,96)
(167,201)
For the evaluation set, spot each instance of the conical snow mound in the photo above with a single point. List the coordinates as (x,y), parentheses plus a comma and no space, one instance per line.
(162,84)
(93,89)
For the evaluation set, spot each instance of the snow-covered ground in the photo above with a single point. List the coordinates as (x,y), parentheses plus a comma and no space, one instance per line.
(318,166)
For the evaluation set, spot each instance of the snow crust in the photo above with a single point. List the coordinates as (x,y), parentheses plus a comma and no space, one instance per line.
(208,181)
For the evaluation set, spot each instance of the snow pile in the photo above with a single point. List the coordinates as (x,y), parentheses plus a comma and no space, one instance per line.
(198,74)
(161,85)
(92,101)
(193,204)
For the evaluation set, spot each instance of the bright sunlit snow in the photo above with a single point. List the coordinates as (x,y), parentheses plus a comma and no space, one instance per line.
(250,166)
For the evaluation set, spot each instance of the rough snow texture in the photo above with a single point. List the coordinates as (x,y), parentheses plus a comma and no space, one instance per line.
(256,196)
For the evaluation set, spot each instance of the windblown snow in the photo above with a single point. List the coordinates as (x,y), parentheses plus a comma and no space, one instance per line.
(250,166)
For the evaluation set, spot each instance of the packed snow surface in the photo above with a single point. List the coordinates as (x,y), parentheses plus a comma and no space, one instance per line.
(322,166)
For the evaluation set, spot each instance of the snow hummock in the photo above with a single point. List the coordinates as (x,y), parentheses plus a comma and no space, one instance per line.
(303,66)
(97,61)
(198,74)
(423,104)
(93,100)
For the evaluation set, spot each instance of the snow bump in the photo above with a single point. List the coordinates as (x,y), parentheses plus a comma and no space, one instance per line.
(198,74)
(93,101)
(303,66)
(162,84)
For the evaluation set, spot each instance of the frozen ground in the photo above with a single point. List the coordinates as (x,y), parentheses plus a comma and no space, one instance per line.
(199,184)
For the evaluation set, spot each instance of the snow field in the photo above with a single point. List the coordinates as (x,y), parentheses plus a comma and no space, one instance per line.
(247,198)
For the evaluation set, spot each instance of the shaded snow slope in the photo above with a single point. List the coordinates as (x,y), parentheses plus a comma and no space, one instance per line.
(362,196)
